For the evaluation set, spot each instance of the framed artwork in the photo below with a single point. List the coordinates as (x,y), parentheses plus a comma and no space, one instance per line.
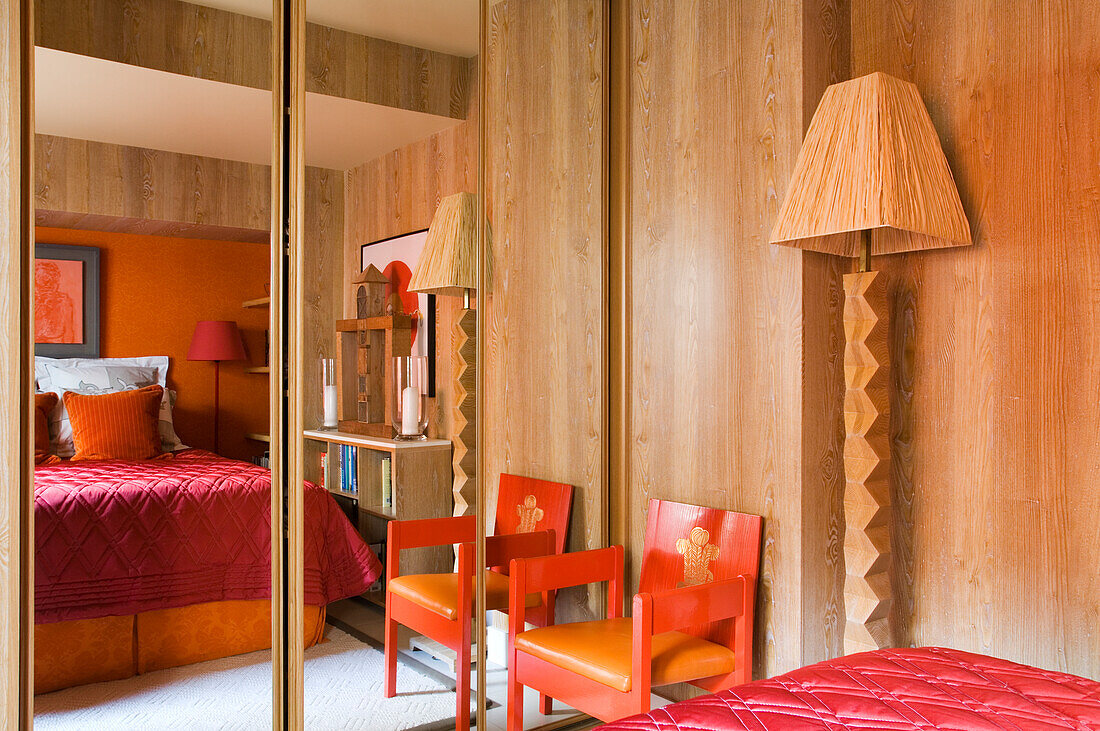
(66,301)
(395,258)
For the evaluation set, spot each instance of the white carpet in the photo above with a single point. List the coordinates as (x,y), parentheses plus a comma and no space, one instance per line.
(343,690)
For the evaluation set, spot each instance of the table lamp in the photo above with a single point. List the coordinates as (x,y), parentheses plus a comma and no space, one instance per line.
(870,179)
(448,266)
(216,340)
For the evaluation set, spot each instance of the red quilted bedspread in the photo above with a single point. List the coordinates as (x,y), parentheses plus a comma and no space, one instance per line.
(925,688)
(117,538)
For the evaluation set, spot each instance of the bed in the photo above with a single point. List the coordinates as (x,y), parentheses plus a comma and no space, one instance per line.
(899,690)
(141,565)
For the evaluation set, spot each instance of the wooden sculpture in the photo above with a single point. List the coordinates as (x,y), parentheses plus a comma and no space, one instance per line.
(364,357)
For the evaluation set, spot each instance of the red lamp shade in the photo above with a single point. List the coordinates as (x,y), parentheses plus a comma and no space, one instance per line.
(216,340)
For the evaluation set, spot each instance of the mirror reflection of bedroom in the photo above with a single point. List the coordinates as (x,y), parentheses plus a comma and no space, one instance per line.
(152,356)
(389,340)
(152,260)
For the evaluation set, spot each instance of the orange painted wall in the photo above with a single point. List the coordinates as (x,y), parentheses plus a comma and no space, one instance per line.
(153,289)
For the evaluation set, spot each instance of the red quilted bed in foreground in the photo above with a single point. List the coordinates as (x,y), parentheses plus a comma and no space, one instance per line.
(120,538)
(904,689)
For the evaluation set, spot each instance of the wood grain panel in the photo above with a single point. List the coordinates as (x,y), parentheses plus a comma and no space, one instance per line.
(16,420)
(826,46)
(716,122)
(996,346)
(99,179)
(322,264)
(545,375)
(218,45)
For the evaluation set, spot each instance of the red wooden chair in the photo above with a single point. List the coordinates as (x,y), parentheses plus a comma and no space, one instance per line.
(692,620)
(532,518)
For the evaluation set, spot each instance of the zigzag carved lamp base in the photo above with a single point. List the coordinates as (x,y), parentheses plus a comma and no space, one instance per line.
(465,427)
(867,552)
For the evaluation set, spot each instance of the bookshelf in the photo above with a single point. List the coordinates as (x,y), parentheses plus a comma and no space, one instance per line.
(420,476)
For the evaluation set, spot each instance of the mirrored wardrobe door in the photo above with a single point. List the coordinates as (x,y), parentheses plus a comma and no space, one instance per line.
(151,277)
(545,436)
(389,300)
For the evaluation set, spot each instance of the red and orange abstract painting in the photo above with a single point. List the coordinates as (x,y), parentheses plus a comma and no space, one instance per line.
(58,301)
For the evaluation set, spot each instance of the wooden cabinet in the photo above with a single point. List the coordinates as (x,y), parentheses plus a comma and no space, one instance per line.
(420,487)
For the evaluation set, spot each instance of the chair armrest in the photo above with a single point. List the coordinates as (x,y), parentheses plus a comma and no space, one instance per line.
(546,574)
(691,606)
(558,571)
(500,550)
(403,534)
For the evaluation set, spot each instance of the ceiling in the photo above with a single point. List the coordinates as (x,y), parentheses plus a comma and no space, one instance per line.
(449,26)
(92,99)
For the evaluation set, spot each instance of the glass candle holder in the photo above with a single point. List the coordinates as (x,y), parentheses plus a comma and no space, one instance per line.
(409,396)
(328,393)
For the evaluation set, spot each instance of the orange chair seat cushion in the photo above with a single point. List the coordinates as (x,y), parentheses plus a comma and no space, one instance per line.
(439,592)
(601,651)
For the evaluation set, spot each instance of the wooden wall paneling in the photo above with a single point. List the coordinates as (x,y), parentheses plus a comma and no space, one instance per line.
(322,288)
(716,122)
(545,382)
(168,191)
(214,44)
(145,226)
(16,370)
(382,72)
(826,47)
(996,345)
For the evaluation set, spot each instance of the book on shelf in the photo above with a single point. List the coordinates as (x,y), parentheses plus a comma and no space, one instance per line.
(387,484)
(353,461)
(347,479)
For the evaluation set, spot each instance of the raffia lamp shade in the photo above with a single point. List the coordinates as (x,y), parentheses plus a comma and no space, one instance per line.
(448,266)
(448,263)
(871,161)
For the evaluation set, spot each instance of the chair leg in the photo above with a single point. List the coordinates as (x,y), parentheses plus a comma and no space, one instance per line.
(641,700)
(462,689)
(515,698)
(546,704)
(389,682)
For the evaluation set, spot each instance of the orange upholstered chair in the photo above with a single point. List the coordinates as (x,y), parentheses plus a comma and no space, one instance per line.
(692,619)
(532,518)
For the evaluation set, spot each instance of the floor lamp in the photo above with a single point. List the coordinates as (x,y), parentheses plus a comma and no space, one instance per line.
(216,340)
(870,179)
(448,266)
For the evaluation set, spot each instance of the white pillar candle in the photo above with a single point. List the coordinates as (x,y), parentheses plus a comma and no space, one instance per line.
(330,406)
(410,411)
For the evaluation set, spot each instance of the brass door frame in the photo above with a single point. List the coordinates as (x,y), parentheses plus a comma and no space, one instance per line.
(17,365)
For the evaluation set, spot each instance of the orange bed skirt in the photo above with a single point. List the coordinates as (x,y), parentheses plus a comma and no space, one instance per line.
(110,648)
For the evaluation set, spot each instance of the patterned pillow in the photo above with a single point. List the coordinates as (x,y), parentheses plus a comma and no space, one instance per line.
(116,425)
(105,375)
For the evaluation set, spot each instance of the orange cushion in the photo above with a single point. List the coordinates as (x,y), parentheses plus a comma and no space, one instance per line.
(44,404)
(601,651)
(120,425)
(439,592)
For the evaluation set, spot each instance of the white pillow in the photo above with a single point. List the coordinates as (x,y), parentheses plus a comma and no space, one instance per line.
(160,362)
(106,375)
